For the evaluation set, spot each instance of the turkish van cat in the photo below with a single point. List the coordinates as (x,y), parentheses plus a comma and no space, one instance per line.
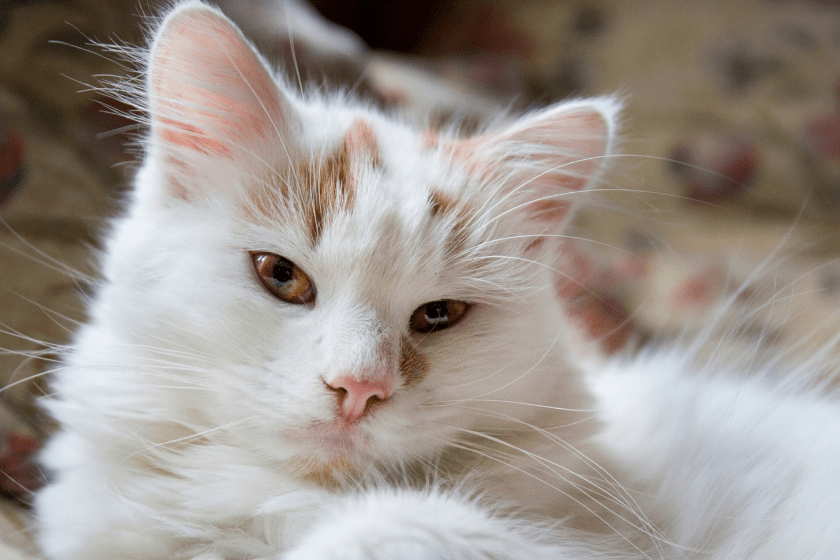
(324,333)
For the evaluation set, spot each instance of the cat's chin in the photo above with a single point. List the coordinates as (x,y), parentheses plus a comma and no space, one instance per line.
(332,452)
(333,439)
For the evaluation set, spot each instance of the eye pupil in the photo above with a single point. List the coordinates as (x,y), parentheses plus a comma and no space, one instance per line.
(436,312)
(283,271)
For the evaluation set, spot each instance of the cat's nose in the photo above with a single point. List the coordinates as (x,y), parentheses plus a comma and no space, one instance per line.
(356,397)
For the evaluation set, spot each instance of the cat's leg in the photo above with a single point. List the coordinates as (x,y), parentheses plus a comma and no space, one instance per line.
(427,525)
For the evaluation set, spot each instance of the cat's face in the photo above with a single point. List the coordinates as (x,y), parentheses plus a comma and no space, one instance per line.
(341,289)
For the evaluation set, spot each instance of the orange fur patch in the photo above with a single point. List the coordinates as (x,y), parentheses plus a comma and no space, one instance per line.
(332,184)
(446,207)
(327,474)
(413,365)
(442,204)
(328,185)
(360,142)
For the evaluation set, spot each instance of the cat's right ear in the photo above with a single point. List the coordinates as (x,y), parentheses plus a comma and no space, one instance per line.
(214,106)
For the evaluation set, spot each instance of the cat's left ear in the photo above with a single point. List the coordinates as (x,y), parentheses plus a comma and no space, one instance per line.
(212,101)
(535,166)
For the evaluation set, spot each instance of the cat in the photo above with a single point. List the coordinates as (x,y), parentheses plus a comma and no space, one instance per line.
(327,333)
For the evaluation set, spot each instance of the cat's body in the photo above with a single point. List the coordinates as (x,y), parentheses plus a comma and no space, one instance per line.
(323,333)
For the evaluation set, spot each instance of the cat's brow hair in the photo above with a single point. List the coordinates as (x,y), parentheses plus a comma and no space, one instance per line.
(459,215)
(325,184)
(330,185)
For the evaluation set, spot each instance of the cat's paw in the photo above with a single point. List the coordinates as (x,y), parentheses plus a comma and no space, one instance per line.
(357,549)
(403,525)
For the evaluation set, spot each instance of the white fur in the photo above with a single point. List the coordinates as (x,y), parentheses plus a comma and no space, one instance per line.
(195,419)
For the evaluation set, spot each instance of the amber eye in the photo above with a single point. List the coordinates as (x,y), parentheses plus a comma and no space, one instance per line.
(437,315)
(283,278)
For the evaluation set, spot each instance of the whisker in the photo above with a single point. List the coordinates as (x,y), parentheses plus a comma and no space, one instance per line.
(188,438)
(605,476)
(501,401)
(292,46)
(559,490)
(48,262)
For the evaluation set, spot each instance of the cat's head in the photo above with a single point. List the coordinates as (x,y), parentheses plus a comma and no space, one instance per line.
(330,286)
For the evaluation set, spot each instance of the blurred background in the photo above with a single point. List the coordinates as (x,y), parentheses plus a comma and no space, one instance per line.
(727,199)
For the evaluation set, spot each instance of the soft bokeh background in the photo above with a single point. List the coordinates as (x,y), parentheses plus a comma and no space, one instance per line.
(731,136)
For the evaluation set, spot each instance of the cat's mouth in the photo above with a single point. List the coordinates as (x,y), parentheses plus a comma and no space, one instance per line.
(333,439)
(333,453)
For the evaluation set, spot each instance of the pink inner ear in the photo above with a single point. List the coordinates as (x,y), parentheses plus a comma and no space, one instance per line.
(548,210)
(190,137)
(579,140)
(210,93)
(565,148)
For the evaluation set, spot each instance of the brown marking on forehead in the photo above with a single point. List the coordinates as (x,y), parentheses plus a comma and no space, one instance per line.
(413,365)
(459,215)
(332,182)
(327,185)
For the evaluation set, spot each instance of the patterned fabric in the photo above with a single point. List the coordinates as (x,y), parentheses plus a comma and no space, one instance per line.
(11,163)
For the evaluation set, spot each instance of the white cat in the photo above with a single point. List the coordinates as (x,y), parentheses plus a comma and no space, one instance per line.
(323,333)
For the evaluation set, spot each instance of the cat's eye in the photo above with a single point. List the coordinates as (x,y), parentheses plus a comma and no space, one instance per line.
(283,278)
(438,315)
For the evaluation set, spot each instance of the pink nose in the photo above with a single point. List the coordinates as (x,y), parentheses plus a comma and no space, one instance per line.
(355,397)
